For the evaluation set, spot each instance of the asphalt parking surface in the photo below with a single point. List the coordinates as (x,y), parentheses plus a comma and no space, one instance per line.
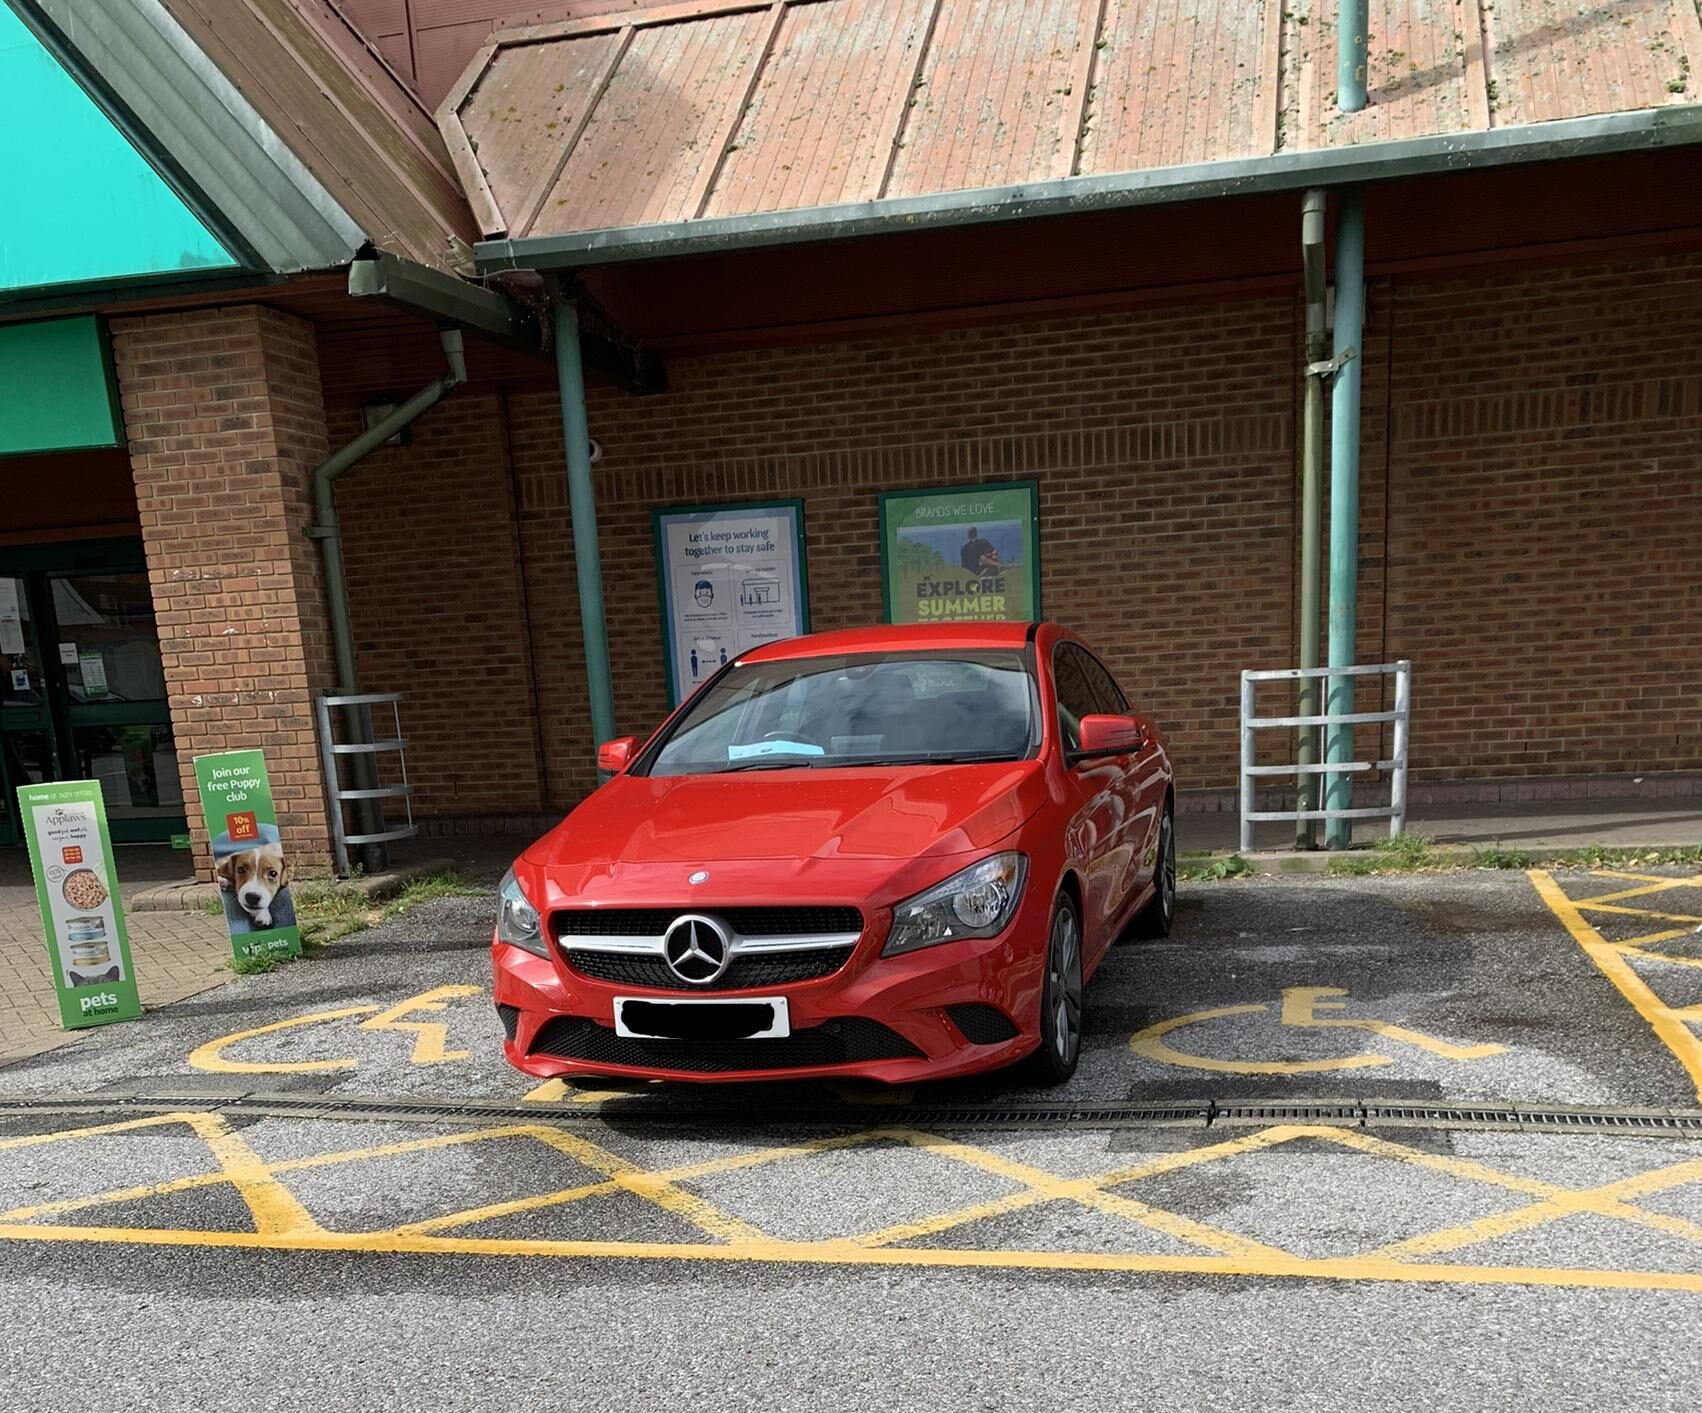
(1475,962)
(614,1249)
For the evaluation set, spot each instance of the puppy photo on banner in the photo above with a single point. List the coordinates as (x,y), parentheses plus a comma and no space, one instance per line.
(250,863)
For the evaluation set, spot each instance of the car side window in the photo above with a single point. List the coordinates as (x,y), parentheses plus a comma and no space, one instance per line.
(1076,695)
(1105,689)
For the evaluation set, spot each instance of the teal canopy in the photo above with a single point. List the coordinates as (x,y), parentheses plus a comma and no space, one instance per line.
(81,203)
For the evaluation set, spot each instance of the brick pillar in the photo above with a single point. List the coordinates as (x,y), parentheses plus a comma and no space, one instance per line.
(226,421)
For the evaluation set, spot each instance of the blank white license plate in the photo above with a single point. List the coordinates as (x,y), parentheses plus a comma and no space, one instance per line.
(747,1018)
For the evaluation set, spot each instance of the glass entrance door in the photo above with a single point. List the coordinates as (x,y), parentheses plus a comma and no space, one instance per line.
(28,748)
(84,696)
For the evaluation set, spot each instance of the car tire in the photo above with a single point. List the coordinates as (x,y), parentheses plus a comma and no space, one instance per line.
(1060,998)
(1157,917)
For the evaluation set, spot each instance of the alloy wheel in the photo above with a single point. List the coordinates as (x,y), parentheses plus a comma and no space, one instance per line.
(1063,988)
(1167,867)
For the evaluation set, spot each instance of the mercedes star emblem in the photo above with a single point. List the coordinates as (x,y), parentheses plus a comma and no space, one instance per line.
(697,948)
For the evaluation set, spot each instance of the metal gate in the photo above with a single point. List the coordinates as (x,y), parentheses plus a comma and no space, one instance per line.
(1395,811)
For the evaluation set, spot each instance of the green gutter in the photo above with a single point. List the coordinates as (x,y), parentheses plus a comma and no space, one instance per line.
(1607,133)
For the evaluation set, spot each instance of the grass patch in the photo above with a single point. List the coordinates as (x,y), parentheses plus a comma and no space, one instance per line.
(1204,870)
(1413,853)
(327,912)
(1405,853)
(1589,856)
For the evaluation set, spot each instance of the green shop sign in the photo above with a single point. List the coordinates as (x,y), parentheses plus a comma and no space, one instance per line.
(77,891)
(249,863)
(960,555)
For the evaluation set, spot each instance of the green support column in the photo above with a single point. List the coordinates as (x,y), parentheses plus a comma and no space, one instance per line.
(1344,499)
(582,505)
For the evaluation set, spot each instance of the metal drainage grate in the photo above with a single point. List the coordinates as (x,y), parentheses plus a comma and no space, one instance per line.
(1319,1112)
(668,1111)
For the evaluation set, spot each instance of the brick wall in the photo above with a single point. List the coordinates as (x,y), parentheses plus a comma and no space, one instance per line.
(1161,441)
(225,422)
(1545,502)
(1531,488)
(430,543)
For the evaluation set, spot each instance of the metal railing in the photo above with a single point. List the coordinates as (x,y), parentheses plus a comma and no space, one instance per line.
(1395,811)
(332,752)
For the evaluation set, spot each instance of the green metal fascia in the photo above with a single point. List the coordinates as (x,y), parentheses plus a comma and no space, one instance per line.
(444,297)
(1370,162)
(203,136)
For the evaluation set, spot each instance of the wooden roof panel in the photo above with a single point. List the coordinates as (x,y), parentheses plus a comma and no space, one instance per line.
(706,108)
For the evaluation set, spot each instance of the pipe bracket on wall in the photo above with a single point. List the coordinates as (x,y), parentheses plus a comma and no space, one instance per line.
(1331,366)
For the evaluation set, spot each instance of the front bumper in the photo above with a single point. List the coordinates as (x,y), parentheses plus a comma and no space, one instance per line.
(876,1018)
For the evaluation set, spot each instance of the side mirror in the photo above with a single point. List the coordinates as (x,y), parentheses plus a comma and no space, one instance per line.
(615,756)
(1110,736)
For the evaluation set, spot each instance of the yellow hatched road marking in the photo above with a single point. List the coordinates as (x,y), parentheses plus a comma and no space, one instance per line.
(846,1253)
(1645,938)
(1649,956)
(1674,1033)
(1652,884)
(1618,911)
(282,1224)
(1040,1186)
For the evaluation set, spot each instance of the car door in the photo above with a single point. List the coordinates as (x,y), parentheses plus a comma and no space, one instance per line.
(1141,791)
(1095,838)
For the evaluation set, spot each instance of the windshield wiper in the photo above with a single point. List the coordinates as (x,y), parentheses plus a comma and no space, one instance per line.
(794,763)
(943,758)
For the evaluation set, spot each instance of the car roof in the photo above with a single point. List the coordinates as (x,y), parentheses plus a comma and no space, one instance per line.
(905,637)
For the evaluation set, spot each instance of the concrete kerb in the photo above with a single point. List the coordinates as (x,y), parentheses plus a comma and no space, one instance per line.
(1273,862)
(204,897)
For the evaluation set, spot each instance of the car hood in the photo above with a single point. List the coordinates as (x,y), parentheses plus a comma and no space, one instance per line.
(896,814)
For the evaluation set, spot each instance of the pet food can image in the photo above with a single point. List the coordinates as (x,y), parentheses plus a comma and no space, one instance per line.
(83,889)
(89,951)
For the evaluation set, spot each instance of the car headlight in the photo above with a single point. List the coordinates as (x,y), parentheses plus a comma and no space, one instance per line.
(976,902)
(517,919)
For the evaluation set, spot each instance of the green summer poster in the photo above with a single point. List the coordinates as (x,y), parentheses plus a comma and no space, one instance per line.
(77,891)
(249,862)
(960,555)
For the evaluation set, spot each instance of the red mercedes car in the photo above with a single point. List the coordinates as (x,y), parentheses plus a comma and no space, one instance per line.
(891,854)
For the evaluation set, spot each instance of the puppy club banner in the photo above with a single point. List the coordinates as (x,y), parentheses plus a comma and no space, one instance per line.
(249,862)
(87,946)
(966,554)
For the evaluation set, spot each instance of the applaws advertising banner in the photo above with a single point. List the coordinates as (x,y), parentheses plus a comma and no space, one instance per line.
(88,948)
(250,864)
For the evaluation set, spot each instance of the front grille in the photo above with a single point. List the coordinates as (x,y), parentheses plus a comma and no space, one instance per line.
(836,1042)
(510,1018)
(759,969)
(982,1025)
(803,921)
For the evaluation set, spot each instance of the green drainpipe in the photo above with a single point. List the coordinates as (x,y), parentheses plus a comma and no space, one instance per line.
(327,531)
(1352,36)
(1344,499)
(1311,483)
(582,507)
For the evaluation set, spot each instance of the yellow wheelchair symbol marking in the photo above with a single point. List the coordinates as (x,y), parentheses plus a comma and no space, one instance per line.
(1300,1007)
(428,1047)
(428,1043)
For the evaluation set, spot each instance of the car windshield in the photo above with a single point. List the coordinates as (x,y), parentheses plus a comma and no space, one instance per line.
(865,709)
